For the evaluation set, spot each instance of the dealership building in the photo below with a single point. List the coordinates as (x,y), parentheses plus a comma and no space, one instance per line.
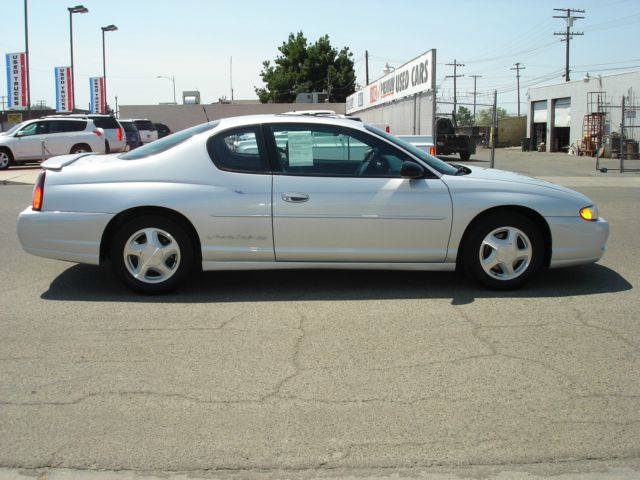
(585,113)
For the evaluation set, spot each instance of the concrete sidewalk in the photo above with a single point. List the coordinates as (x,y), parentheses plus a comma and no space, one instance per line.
(19,176)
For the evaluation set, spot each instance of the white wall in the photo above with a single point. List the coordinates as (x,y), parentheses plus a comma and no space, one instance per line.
(615,87)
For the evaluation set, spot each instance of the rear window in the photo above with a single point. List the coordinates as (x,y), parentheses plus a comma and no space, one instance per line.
(129,126)
(105,122)
(167,143)
(144,125)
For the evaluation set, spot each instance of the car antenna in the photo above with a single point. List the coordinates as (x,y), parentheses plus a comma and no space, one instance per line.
(205,114)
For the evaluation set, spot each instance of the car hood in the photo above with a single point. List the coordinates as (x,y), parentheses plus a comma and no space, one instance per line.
(493,175)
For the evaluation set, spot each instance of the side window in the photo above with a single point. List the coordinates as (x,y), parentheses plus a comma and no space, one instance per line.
(238,150)
(319,150)
(36,128)
(75,126)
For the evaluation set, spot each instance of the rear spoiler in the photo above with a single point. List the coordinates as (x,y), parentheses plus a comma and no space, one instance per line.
(56,163)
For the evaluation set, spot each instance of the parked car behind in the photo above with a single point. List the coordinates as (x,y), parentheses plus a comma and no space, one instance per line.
(148,131)
(163,130)
(131,133)
(115,141)
(34,140)
(287,191)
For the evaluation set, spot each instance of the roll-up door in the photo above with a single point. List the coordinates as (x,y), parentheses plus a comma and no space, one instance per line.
(562,112)
(540,112)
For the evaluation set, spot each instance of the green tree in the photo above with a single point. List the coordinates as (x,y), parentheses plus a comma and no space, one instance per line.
(464,118)
(307,68)
(484,117)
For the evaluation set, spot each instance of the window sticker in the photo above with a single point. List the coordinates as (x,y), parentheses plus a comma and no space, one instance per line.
(300,149)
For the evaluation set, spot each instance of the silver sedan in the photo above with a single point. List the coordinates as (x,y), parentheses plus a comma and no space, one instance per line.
(294,191)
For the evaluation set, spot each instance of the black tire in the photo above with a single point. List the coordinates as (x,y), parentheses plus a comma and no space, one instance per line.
(6,159)
(510,271)
(169,256)
(81,148)
(465,156)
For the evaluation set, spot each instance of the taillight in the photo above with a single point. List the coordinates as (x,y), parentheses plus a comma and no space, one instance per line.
(119,134)
(387,129)
(432,151)
(38,192)
(98,133)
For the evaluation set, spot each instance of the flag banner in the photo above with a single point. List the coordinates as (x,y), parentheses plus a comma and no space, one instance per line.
(63,89)
(17,81)
(96,85)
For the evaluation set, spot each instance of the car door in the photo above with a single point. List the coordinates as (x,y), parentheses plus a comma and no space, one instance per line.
(352,206)
(30,140)
(238,226)
(60,138)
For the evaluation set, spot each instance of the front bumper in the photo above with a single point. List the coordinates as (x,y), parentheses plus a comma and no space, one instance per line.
(69,236)
(576,241)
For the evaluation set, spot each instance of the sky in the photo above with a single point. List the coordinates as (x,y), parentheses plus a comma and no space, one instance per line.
(211,45)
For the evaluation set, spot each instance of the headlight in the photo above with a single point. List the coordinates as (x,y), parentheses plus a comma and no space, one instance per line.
(589,213)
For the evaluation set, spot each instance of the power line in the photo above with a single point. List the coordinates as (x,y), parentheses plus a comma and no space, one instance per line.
(568,35)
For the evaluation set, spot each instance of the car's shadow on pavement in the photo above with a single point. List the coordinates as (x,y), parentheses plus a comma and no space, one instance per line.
(87,283)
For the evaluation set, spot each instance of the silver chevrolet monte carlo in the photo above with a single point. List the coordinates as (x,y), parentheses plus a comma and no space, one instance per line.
(293,191)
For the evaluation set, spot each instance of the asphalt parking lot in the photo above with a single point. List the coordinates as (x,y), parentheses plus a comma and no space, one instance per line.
(321,374)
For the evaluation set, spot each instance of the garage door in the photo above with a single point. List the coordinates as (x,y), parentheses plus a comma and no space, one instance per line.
(540,112)
(562,112)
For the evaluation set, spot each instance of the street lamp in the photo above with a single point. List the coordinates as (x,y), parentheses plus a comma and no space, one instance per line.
(108,28)
(173,79)
(72,10)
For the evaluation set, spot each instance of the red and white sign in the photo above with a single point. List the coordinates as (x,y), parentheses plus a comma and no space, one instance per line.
(413,77)
(17,80)
(96,85)
(64,92)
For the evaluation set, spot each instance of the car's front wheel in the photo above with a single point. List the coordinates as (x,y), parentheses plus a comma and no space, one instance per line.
(5,159)
(503,251)
(152,254)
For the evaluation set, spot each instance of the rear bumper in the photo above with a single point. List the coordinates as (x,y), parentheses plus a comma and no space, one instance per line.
(576,241)
(70,236)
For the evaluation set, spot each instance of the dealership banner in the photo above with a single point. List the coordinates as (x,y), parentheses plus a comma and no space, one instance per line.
(63,89)
(97,94)
(413,77)
(17,81)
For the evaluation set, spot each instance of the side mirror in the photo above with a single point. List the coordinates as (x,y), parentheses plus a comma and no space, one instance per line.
(411,170)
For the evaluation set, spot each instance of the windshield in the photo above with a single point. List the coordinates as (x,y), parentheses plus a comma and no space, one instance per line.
(13,129)
(433,162)
(166,143)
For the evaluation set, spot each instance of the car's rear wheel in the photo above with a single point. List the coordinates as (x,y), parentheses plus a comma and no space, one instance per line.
(152,254)
(503,251)
(5,159)
(81,148)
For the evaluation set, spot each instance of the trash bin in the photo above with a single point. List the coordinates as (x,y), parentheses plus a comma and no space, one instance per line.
(525,144)
(631,149)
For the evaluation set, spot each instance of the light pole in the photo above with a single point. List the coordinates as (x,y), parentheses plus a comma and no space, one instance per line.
(173,79)
(108,28)
(72,10)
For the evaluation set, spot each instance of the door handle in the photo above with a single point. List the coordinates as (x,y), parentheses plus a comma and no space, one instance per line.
(295,197)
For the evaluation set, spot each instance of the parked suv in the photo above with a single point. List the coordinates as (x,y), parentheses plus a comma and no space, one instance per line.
(132,133)
(40,139)
(113,132)
(148,131)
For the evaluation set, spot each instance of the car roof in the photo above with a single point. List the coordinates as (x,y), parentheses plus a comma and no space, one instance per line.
(293,118)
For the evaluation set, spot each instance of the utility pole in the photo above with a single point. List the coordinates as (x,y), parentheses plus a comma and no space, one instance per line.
(568,35)
(517,68)
(366,67)
(475,77)
(455,75)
